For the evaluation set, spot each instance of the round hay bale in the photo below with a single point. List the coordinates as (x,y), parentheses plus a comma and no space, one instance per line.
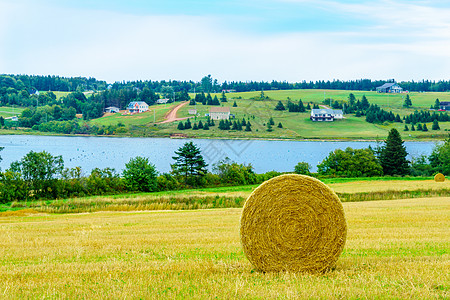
(439,177)
(293,223)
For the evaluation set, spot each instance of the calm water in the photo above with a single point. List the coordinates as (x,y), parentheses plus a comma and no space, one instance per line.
(102,152)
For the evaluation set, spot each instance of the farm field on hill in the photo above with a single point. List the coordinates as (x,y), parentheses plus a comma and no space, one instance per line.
(394,249)
(6,111)
(419,100)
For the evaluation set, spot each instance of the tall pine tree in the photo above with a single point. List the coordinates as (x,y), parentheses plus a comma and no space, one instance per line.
(393,154)
(189,164)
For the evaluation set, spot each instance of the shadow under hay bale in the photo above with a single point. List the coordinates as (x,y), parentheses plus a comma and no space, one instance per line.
(293,223)
(439,177)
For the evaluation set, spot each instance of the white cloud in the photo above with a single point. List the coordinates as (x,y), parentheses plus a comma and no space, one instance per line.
(114,46)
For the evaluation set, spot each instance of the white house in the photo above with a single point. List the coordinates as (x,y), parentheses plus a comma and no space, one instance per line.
(112,109)
(192,111)
(444,105)
(219,113)
(137,107)
(162,101)
(390,87)
(326,114)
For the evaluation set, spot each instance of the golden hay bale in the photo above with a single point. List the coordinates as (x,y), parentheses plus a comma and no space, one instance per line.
(439,177)
(293,223)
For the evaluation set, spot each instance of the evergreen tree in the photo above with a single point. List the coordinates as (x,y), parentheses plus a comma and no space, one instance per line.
(188,124)
(195,127)
(269,127)
(180,126)
(308,107)
(235,126)
(412,127)
(424,128)
(407,103)
(2,121)
(435,125)
(419,127)
(189,164)
(206,126)
(200,125)
(301,107)
(222,125)
(248,126)
(234,104)
(215,101)
(437,104)
(393,154)
(203,98)
(223,98)
(406,128)
(280,125)
(209,100)
(271,122)
(243,122)
(364,103)
(280,106)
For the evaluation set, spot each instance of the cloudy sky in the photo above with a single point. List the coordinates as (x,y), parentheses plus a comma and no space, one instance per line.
(291,40)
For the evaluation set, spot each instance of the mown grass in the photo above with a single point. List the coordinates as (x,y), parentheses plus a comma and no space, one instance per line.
(394,250)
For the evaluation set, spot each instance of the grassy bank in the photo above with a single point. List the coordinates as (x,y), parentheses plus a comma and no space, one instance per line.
(394,250)
(232,197)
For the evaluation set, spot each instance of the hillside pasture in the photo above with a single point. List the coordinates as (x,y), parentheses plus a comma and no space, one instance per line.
(7,111)
(298,125)
(394,249)
(390,101)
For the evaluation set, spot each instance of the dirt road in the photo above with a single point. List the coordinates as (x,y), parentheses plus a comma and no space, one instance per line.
(171,116)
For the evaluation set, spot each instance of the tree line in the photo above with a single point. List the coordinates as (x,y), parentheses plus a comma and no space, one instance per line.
(13,84)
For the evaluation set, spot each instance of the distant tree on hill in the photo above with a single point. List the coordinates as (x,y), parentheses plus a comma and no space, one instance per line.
(437,104)
(435,125)
(407,103)
(234,104)
(223,98)
(180,126)
(280,125)
(280,106)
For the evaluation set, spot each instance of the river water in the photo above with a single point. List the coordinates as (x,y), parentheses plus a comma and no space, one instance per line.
(102,152)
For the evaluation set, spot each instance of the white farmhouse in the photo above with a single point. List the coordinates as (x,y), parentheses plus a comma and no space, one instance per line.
(324,114)
(137,107)
(112,109)
(162,101)
(219,113)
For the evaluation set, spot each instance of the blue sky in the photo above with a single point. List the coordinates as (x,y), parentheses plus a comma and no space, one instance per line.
(291,40)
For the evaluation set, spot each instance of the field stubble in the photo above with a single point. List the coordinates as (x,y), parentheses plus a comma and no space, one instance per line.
(395,249)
